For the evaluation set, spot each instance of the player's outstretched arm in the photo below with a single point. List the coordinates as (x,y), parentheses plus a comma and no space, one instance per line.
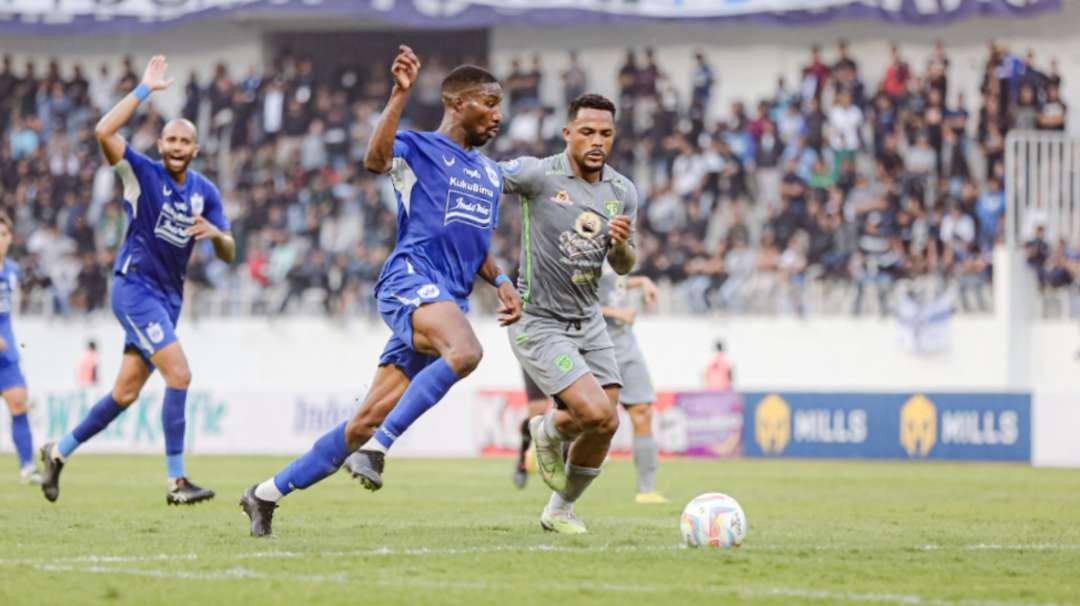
(112,144)
(509,299)
(380,152)
(621,255)
(648,288)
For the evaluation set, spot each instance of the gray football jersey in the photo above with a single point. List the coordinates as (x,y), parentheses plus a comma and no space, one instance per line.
(564,232)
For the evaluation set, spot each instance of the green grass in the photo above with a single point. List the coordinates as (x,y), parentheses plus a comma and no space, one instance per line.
(457,532)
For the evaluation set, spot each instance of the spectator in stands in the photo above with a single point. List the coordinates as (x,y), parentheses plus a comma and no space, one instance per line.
(574,79)
(1054,111)
(1037,253)
(702,81)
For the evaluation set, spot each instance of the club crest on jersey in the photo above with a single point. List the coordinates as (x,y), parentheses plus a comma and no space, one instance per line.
(154,332)
(492,174)
(562,198)
(428,291)
(197,204)
(611,207)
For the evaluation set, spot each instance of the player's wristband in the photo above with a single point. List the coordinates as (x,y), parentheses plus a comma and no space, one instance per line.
(501,279)
(141,92)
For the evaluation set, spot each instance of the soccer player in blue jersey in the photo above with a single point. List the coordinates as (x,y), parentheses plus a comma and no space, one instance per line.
(448,199)
(12,382)
(169,207)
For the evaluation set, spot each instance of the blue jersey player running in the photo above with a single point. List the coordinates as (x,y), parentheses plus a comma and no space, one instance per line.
(12,382)
(168,208)
(448,197)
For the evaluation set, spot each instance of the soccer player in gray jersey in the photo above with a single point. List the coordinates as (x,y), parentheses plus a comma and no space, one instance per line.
(577,211)
(637,394)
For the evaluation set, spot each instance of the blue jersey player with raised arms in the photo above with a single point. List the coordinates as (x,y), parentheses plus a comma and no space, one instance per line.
(168,208)
(448,199)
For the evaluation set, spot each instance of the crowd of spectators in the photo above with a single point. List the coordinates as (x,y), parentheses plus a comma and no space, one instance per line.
(837,185)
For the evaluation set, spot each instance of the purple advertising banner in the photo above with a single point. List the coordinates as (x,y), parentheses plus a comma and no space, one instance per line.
(714,422)
(99,16)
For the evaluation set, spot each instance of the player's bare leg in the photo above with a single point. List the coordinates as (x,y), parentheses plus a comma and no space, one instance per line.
(173,364)
(646,458)
(589,421)
(129,382)
(16,399)
(439,329)
(260,501)
(389,385)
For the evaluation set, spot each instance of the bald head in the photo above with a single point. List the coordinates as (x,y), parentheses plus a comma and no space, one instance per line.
(187,126)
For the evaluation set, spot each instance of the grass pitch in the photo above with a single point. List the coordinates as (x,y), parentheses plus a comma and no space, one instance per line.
(457,532)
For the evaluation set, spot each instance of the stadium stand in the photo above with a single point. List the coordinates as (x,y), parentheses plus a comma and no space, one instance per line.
(836,194)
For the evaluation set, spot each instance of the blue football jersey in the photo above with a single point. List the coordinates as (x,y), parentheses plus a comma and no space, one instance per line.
(448,206)
(156,247)
(9,281)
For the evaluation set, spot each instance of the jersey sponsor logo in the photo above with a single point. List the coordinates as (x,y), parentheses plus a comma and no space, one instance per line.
(492,174)
(462,207)
(428,291)
(562,198)
(588,224)
(449,161)
(472,173)
(197,204)
(154,332)
(407,301)
(172,226)
(472,188)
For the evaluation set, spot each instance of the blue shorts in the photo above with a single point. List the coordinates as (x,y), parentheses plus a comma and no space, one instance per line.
(11,375)
(149,317)
(400,294)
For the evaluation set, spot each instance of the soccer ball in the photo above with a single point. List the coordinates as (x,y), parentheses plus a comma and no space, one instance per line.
(713,520)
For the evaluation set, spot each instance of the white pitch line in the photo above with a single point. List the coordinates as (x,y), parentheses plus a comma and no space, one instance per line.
(238,573)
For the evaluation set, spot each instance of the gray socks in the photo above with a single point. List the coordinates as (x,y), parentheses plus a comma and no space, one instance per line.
(646,461)
(577,480)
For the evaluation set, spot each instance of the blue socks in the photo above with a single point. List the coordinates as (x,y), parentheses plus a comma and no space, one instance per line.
(324,458)
(99,418)
(427,388)
(24,443)
(172,422)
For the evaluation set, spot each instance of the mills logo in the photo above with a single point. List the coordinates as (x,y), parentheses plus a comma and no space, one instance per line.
(772,424)
(918,426)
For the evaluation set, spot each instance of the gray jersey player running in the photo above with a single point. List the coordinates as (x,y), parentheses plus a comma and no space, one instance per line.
(577,211)
(637,394)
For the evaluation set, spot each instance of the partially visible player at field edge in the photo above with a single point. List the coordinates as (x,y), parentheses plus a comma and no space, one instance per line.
(577,212)
(536,403)
(169,208)
(637,394)
(448,199)
(12,382)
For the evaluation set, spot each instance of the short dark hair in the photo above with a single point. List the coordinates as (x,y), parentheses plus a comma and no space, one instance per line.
(6,220)
(589,101)
(466,76)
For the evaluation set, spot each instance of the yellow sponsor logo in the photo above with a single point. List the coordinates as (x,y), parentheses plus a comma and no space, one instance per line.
(772,424)
(918,426)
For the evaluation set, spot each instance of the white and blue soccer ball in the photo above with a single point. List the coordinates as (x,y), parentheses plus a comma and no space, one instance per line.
(713,520)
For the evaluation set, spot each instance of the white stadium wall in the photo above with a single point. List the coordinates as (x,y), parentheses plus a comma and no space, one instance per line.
(265,386)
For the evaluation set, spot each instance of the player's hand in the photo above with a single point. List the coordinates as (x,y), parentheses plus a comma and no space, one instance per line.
(406,67)
(3,344)
(203,229)
(510,310)
(154,76)
(628,316)
(619,229)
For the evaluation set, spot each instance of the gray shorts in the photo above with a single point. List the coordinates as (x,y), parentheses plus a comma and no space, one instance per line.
(555,353)
(637,387)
